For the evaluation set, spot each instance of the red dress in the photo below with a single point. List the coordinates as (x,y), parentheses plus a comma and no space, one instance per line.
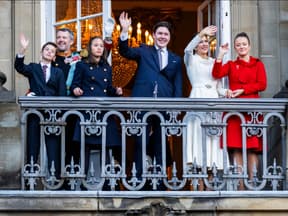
(250,76)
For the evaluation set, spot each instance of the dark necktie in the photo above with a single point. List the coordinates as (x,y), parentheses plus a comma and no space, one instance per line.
(44,69)
(159,51)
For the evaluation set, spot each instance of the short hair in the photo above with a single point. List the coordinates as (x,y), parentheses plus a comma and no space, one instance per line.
(162,24)
(286,84)
(3,78)
(242,34)
(66,30)
(49,43)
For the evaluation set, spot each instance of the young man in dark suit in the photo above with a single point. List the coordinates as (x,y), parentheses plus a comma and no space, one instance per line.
(156,76)
(44,80)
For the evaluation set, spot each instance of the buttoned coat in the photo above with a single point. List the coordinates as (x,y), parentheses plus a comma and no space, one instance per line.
(251,77)
(96,81)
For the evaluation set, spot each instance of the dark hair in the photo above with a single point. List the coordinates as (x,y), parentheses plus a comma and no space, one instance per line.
(242,34)
(90,58)
(66,30)
(286,84)
(162,24)
(3,78)
(48,43)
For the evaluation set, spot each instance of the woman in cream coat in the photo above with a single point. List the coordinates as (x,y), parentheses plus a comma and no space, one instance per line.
(199,70)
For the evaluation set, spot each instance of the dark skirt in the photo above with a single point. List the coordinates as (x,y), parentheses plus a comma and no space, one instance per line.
(113,137)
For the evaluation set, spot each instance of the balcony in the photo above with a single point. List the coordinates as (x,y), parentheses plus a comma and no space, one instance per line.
(173,186)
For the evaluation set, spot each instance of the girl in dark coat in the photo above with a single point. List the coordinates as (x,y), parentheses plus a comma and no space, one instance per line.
(93,78)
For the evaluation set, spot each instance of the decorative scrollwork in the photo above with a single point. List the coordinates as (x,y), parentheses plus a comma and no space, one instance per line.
(154,173)
(176,127)
(93,124)
(73,171)
(254,131)
(256,128)
(256,118)
(52,115)
(134,124)
(215,183)
(50,181)
(93,130)
(31,172)
(274,174)
(211,124)
(174,183)
(214,131)
(113,171)
(51,123)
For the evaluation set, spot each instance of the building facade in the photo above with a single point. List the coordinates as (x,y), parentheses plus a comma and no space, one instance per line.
(265,21)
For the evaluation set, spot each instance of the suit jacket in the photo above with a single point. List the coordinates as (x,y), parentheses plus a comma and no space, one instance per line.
(59,63)
(33,71)
(168,80)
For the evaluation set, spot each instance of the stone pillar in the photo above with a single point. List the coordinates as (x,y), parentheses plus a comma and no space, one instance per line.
(260,19)
(15,17)
(6,42)
(269,44)
(244,15)
(27,21)
(283,42)
(10,146)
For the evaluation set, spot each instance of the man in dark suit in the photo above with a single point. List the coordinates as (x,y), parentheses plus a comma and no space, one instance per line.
(44,80)
(158,75)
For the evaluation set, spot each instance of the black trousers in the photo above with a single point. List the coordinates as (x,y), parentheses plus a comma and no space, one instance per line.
(33,144)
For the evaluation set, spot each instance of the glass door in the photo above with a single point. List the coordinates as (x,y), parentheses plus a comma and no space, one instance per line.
(84,17)
(207,14)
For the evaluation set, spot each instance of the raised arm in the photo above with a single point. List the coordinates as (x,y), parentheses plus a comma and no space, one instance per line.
(188,51)
(125,22)
(19,65)
(124,49)
(108,30)
(24,44)
(220,70)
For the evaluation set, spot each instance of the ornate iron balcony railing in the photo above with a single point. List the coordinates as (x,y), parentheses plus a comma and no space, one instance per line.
(266,119)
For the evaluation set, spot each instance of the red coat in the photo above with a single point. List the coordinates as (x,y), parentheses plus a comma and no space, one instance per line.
(250,76)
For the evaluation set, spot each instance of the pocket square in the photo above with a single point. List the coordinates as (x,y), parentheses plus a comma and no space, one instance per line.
(174,61)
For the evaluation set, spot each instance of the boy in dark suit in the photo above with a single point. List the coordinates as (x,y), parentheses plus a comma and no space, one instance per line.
(44,80)
(159,74)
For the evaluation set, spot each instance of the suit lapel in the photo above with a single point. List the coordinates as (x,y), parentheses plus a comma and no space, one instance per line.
(41,75)
(171,59)
(155,56)
(52,74)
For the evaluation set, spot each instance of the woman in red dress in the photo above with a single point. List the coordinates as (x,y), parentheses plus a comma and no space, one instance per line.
(247,77)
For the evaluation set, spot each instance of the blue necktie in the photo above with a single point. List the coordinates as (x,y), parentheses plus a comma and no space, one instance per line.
(159,51)
(44,69)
